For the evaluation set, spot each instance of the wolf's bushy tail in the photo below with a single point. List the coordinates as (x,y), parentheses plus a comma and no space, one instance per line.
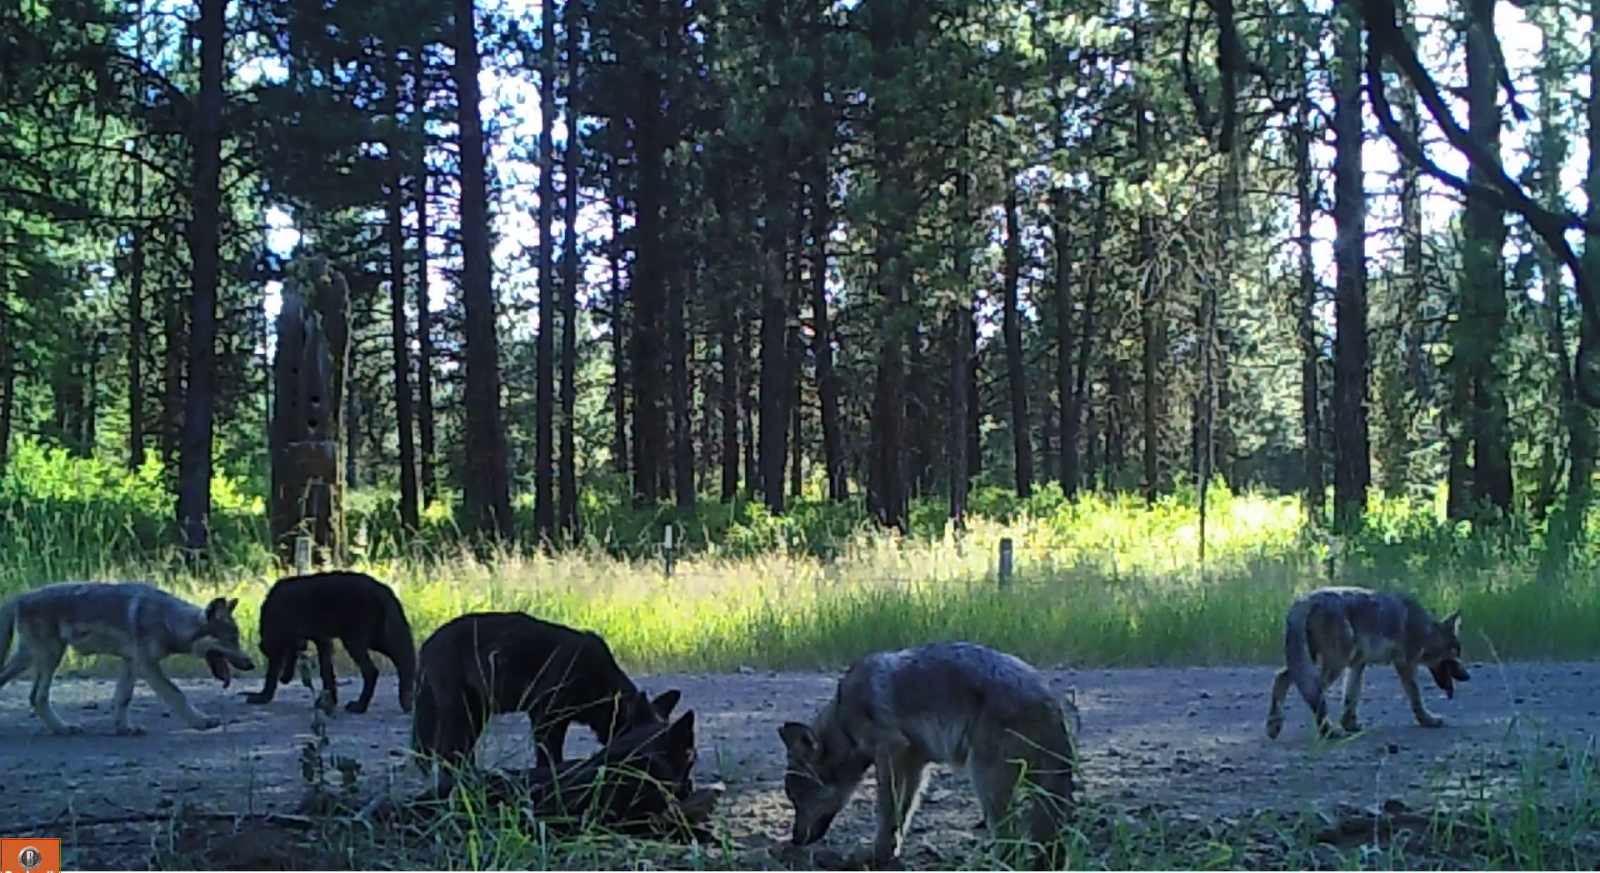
(402,647)
(1297,652)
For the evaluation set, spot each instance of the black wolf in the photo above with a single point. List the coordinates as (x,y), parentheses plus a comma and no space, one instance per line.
(354,608)
(487,663)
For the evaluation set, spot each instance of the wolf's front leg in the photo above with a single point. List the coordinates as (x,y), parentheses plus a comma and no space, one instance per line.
(120,701)
(164,689)
(1408,684)
(1352,698)
(900,775)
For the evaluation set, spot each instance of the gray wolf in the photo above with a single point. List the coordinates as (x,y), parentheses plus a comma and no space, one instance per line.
(1341,629)
(138,623)
(487,663)
(961,704)
(355,608)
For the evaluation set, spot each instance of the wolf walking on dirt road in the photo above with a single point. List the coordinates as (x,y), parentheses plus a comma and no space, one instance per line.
(358,610)
(961,704)
(138,623)
(1343,629)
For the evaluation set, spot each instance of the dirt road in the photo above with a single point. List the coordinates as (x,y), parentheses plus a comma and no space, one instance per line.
(1186,739)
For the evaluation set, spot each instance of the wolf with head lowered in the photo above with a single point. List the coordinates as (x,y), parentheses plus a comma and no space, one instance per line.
(962,704)
(1342,629)
(354,608)
(487,663)
(138,623)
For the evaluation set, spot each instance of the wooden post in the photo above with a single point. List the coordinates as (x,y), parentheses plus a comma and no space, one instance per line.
(666,551)
(1003,575)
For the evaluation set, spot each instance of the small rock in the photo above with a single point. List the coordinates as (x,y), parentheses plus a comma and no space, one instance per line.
(1193,712)
(1393,748)
(1205,695)
(746,671)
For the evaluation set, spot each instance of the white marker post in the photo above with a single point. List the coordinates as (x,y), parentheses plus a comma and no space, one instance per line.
(1003,576)
(666,551)
(302,555)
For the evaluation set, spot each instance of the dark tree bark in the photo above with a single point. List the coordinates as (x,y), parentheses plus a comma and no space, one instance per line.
(572,191)
(960,323)
(425,426)
(821,321)
(647,288)
(194,463)
(620,453)
(136,340)
(1483,273)
(1306,324)
(1011,326)
(400,342)
(1352,471)
(486,490)
(1065,344)
(544,506)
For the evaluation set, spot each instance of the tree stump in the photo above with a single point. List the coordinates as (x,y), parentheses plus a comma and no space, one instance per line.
(308,372)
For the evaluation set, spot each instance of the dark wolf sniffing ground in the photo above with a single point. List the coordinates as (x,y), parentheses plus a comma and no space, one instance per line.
(641,784)
(1344,630)
(354,608)
(961,704)
(487,663)
(138,623)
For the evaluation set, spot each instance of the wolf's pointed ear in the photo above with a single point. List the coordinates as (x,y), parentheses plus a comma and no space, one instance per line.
(217,607)
(1452,623)
(800,740)
(233,604)
(682,731)
(665,702)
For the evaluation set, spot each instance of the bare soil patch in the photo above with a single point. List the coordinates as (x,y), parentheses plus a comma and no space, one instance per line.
(1188,744)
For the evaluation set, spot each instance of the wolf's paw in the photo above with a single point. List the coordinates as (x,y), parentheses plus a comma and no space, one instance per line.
(129,730)
(256,697)
(1429,720)
(355,707)
(1350,724)
(1274,726)
(66,728)
(206,723)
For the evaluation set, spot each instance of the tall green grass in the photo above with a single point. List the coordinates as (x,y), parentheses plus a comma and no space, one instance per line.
(1105,581)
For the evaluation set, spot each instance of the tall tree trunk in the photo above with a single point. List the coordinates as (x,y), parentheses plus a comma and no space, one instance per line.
(1483,273)
(682,434)
(409,516)
(1150,314)
(1081,386)
(821,320)
(1315,496)
(544,505)
(419,140)
(571,191)
(1580,424)
(136,339)
(1352,472)
(620,453)
(194,463)
(647,289)
(1017,377)
(1064,344)
(960,319)
(486,490)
